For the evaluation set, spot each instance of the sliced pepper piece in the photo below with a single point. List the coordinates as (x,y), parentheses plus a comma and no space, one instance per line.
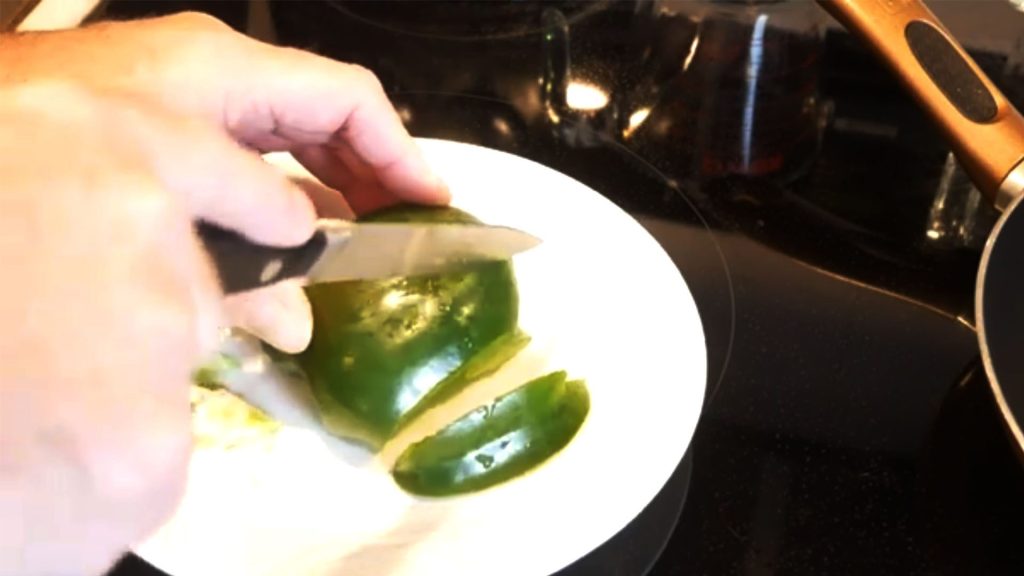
(211,373)
(492,444)
(383,351)
(221,418)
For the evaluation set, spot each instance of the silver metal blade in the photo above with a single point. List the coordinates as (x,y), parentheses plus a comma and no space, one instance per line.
(384,250)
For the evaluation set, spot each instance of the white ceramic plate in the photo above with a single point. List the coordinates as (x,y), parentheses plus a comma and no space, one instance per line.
(601,300)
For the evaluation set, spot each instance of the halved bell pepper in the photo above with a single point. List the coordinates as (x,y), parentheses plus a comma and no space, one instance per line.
(492,444)
(383,351)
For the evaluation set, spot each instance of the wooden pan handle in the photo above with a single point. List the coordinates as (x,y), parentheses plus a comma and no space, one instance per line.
(984,130)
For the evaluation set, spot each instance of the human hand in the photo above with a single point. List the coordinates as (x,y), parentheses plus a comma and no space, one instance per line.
(333,117)
(111,302)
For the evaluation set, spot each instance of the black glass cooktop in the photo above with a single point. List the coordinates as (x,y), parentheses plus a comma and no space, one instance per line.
(828,241)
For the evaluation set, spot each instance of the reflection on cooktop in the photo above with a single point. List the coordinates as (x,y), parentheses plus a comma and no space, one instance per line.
(971,485)
(804,462)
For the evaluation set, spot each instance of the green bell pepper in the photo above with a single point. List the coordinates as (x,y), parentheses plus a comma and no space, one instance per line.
(383,351)
(493,444)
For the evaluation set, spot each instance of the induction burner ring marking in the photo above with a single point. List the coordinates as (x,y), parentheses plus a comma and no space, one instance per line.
(671,184)
(520,29)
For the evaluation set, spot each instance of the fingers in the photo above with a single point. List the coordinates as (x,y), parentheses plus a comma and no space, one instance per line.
(326,200)
(224,183)
(268,97)
(233,187)
(280,315)
(306,102)
(219,181)
(340,169)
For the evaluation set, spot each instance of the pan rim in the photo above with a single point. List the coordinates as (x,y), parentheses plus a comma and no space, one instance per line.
(979,301)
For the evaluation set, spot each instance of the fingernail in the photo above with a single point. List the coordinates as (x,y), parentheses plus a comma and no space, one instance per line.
(303,213)
(439,192)
(289,326)
(444,194)
(284,328)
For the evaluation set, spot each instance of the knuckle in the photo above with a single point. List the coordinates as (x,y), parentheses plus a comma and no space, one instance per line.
(135,203)
(205,34)
(346,76)
(150,203)
(366,77)
(55,98)
(195,20)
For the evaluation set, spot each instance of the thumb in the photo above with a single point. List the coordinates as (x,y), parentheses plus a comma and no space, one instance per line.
(280,315)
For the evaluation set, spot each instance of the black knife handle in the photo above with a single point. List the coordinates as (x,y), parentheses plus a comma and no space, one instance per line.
(244,265)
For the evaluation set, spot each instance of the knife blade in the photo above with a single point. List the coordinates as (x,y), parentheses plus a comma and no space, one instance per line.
(344,250)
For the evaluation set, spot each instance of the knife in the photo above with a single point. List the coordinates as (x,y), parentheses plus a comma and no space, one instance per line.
(344,250)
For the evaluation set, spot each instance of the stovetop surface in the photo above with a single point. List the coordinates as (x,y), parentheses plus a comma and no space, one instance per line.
(848,426)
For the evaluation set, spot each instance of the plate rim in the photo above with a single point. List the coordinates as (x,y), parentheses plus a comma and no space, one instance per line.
(697,392)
